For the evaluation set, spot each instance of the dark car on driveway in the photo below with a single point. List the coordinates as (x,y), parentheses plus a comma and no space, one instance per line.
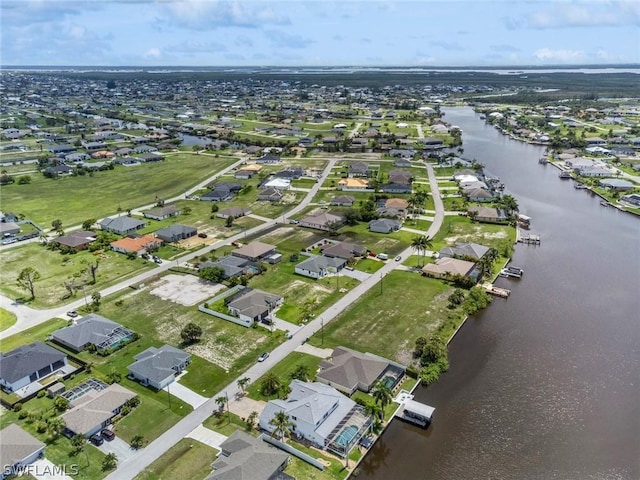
(96,439)
(108,435)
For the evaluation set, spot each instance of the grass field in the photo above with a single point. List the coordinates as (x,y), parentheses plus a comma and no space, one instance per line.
(283,371)
(461,229)
(54,268)
(186,459)
(74,199)
(389,328)
(33,334)
(7,319)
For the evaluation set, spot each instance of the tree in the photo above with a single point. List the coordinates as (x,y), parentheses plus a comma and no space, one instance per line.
(88,223)
(191,333)
(301,373)
(55,426)
(433,351)
(78,441)
(351,216)
(228,222)
(243,382)
(187,210)
(282,425)
(212,274)
(27,278)
(251,420)
(421,244)
(61,403)
(214,207)
(96,297)
(509,203)
(382,394)
(374,410)
(6,179)
(270,384)
(221,401)
(137,441)
(109,462)
(332,227)
(57,227)
(92,269)
(113,377)
(24,180)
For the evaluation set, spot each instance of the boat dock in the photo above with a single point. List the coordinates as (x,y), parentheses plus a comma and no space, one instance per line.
(529,239)
(511,271)
(497,291)
(412,411)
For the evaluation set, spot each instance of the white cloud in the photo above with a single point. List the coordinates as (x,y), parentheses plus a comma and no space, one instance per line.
(153,53)
(560,56)
(586,15)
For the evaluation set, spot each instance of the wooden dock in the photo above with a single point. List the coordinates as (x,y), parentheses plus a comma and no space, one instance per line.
(497,291)
(529,239)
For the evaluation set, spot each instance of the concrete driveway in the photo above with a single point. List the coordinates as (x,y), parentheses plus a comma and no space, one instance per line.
(207,436)
(185,394)
(119,447)
(44,469)
(357,274)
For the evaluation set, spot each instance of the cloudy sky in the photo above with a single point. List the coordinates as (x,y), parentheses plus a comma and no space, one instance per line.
(318,32)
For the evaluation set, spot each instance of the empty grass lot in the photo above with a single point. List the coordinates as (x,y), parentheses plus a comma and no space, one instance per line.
(33,334)
(283,371)
(74,199)
(388,323)
(54,268)
(7,319)
(186,459)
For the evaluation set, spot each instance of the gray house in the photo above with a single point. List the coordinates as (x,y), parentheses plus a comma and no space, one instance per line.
(251,305)
(19,449)
(175,233)
(343,200)
(161,213)
(122,225)
(232,266)
(95,330)
(158,367)
(384,225)
(28,364)
(244,457)
(319,266)
(470,250)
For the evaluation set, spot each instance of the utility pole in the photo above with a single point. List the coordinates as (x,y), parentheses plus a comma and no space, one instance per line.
(381,277)
(322,331)
(169,397)
(226,394)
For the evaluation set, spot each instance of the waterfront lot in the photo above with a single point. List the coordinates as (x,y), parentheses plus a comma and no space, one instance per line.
(74,199)
(387,320)
(461,229)
(56,268)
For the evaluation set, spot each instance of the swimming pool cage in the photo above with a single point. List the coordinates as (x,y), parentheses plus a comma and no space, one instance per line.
(349,431)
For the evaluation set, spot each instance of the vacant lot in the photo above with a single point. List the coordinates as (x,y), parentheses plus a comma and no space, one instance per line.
(74,199)
(186,459)
(7,319)
(56,268)
(187,290)
(387,320)
(461,229)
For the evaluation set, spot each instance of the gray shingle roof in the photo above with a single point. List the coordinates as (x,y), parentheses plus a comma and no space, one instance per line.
(320,263)
(27,359)
(17,445)
(349,368)
(122,223)
(93,329)
(157,364)
(473,250)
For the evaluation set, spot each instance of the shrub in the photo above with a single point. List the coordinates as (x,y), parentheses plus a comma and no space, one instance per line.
(41,394)
(17,407)
(23,414)
(41,427)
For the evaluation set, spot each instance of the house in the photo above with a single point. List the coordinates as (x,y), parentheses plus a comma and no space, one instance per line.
(321,221)
(616,184)
(268,159)
(358,169)
(353,184)
(292,173)
(232,266)
(344,250)
(56,149)
(478,195)
(78,240)
(400,176)
(144,149)
(632,199)
(158,367)
(432,141)
(464,250)
(347,371)
(447,267)
(320,414)
(248,171)
(233,212)
(245,457)
(278,183)
(162,213)
(95,409)
(123,225)
(137,245)
(319,266)
(254,251)
(151,157)
(29,363)
(384,225)
(92,330)
(251,305)
(175,233)
(270,195)
(93,146)
(57,170)
(342,200)
(19,449)
(8,229)
(218,194)
(488,214)
(397,188)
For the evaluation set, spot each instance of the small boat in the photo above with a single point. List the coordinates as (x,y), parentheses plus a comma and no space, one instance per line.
(579,186)
(604,203)
(564,175)
(543,160)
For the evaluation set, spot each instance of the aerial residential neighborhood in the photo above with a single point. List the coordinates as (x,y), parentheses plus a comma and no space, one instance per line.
(252,287)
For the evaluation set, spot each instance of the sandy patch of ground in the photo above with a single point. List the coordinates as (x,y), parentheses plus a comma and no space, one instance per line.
(186,290)
(478,232)
(196,241)
(298,285)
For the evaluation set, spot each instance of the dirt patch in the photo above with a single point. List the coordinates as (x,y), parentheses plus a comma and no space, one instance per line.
(478,232)
(186,290)
(196,241)
(298,285)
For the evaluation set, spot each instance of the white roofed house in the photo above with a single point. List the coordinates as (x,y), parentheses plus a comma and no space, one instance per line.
(321,415)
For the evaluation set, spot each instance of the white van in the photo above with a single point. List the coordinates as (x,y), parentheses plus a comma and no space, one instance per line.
(383,256)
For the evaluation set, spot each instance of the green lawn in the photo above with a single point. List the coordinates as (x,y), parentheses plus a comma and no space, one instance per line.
(7,319)
(369,265)
(226,423)
(34,334)
(186,459)
(387,324)
(283,371)
(461,229)
(55,268)
(74,199)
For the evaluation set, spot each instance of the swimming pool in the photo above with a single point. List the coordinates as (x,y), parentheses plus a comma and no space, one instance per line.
(346,435)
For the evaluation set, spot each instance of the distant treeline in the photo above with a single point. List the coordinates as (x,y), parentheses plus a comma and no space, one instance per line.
(593,84)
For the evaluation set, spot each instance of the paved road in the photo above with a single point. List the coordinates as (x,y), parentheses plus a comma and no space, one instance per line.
(128,469)
(29,317)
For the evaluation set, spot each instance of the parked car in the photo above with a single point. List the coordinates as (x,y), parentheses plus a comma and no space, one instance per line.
(398,258)
(107,434)
(202,235)
(72,314)
(263,357)
(96,439)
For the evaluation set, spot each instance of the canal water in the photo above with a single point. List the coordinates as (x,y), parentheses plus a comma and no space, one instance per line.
(546,384)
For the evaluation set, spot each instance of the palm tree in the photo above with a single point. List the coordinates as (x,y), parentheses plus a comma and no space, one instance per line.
(270,384)
(421,244)
(55,426)
(243,382)
(416,244)
(220,401)
(382,394)
(282,425)
(374,410)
